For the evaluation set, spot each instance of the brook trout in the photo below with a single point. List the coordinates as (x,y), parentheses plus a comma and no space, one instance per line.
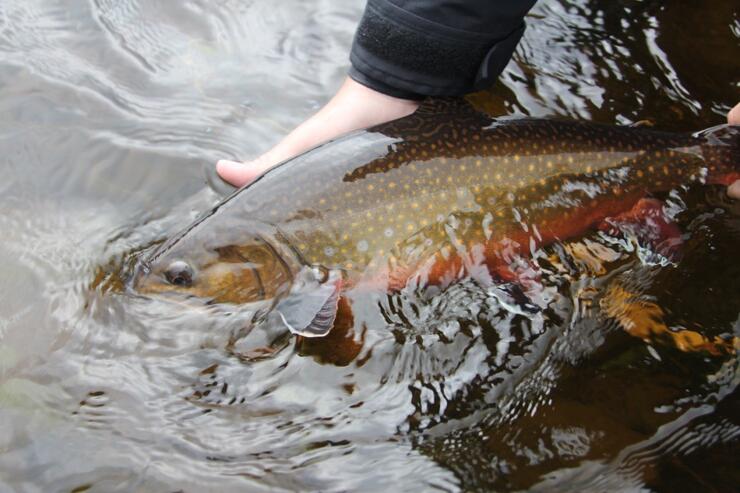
(443,193)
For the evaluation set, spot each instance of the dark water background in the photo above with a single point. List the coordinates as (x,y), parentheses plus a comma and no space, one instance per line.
(112,114)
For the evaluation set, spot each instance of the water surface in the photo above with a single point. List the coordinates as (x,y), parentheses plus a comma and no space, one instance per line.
(113,113)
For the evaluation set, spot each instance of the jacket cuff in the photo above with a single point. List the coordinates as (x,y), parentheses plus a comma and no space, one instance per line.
(403,55)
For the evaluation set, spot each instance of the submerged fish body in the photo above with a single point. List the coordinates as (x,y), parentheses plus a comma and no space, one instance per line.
(441,192)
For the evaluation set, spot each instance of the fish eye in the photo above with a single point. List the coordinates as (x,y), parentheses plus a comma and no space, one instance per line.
(179,273)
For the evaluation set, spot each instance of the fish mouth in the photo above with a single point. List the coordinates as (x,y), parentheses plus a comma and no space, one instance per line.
(133,283)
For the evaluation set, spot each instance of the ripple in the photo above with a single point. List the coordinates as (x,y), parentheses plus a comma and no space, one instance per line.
(115,109)
(619,63)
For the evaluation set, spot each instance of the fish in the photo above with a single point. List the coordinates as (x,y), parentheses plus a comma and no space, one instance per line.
(445,193)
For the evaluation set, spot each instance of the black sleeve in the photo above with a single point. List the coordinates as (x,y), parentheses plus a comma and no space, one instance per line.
(417,48)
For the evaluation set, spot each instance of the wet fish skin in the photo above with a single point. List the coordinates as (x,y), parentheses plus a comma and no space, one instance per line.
(427,190)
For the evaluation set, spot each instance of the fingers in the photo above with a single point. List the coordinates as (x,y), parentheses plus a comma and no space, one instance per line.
(733,191)
(353,107)
(236,173)
(733,117)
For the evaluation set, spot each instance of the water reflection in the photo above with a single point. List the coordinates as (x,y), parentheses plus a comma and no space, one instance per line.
(625,62)
(113,115)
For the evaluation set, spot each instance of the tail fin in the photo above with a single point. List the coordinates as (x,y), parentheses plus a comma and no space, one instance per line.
(721,149)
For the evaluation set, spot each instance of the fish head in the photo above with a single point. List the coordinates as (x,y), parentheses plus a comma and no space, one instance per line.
(216,268)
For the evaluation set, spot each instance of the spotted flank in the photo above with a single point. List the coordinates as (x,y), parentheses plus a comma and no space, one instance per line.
(431,193)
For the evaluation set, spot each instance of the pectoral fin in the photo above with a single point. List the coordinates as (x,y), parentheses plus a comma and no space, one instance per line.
(310,307)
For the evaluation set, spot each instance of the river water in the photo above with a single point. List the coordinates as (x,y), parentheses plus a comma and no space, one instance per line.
(113,113)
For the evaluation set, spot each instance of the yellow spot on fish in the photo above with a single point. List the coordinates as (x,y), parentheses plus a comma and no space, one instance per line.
(371,187)
(392,184)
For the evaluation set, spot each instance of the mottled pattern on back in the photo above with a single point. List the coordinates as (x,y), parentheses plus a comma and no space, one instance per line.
(501,177)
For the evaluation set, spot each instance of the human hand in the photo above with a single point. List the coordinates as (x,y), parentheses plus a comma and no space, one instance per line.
(352,108)
(733,118)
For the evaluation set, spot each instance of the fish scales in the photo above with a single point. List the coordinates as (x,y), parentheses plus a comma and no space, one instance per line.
(348,214)
(426,188)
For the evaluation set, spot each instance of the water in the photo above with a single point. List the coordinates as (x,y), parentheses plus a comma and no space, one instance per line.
(113,114)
